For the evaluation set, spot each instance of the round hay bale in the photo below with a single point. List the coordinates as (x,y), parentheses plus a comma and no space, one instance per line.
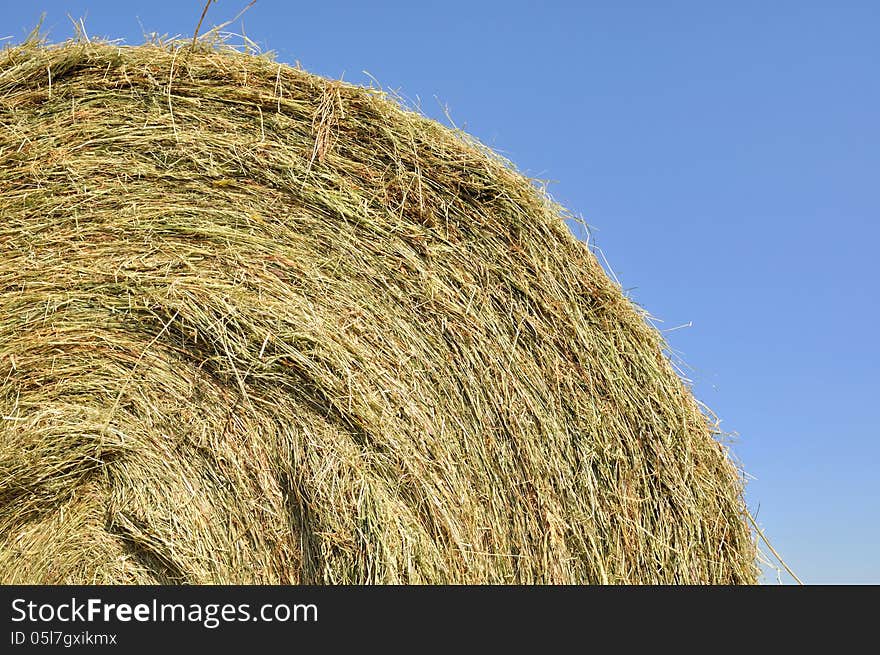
(257,326)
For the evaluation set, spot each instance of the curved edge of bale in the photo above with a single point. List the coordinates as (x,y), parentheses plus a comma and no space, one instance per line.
(260,326)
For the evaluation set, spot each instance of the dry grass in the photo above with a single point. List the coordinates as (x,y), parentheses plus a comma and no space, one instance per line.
(257,326)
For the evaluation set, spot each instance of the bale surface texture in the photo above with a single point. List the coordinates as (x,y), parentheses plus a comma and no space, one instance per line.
(257,326)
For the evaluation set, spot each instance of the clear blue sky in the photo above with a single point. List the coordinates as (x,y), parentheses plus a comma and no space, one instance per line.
(727,156)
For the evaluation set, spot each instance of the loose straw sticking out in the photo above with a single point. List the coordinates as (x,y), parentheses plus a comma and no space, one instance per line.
(312,337)
(201,18)
(778,557)
(217,28)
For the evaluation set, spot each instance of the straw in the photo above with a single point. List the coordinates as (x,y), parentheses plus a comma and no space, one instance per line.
(257,326)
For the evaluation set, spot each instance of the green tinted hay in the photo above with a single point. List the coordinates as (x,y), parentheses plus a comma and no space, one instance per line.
(257,326)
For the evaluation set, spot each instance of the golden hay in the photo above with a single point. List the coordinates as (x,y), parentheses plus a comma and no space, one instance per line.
(257,326)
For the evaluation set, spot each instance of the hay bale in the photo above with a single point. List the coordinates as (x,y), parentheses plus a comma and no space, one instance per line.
(257,326)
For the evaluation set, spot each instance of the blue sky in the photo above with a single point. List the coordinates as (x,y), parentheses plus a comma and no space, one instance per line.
(727,158)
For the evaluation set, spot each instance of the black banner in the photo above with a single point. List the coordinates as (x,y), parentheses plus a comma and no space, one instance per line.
(127,619)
